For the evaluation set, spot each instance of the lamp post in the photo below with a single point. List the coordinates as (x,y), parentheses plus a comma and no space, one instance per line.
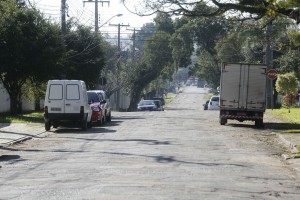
(117,15)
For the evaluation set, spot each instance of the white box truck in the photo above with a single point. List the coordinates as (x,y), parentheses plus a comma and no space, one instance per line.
(67,101)
(243,92)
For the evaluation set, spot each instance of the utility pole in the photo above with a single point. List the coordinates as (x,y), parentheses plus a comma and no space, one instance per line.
(119,58)
(269,62)
(63,17)
(133,42)
(96,11)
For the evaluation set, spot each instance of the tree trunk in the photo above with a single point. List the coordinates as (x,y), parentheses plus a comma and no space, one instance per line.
(15,102)
(134,98)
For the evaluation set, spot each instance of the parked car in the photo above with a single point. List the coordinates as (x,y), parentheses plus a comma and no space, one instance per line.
(66,102)
(214,103)
(106,105)
(159,98)
(205,106)
(145,105)
(159,105)
(97,108)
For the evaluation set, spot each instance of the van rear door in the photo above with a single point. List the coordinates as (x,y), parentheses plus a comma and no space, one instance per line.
(56,97)
(72,99)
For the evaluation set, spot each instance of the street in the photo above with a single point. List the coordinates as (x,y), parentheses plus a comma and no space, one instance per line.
(180,153)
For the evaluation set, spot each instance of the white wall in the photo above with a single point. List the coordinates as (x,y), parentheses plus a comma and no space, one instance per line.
(5,101)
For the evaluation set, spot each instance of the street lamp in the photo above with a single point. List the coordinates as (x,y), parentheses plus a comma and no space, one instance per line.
(117,15)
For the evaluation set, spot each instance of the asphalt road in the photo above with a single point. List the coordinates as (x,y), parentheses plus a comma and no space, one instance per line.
(181,153)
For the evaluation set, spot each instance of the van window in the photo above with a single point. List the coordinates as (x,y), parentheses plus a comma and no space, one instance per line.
(55,92)
(72,91)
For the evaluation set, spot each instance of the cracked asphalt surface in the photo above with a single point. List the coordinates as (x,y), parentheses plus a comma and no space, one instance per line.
(181,153)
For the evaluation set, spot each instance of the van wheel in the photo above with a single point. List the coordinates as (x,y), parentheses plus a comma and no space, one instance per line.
(84,124)
(47,126)
(223,121)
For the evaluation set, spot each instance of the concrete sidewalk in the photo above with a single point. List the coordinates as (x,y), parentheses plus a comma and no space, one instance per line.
(14,133)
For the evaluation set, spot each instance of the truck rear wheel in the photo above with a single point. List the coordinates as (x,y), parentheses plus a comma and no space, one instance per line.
(259,123)
(223,121)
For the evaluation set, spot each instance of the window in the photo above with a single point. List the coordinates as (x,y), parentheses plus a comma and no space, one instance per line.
(56,92)
(72,92)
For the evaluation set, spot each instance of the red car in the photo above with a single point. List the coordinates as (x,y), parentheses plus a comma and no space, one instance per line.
(97,108)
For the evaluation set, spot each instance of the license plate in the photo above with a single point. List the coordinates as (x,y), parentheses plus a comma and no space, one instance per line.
(55,109)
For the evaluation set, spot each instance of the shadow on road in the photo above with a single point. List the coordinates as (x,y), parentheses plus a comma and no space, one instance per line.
(172,159)
(9,157)
(282,126)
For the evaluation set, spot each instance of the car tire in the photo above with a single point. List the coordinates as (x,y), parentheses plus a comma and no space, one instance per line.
(84,124)
(109,117)
(90,124)
(47,126)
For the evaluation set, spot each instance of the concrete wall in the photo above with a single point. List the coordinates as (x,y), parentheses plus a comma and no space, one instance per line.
(5,101)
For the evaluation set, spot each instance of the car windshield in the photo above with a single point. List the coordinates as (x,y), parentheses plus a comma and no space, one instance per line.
(93,97)
(215,99)
(146,102)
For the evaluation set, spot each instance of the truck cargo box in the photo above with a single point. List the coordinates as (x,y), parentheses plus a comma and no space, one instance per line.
(243,92)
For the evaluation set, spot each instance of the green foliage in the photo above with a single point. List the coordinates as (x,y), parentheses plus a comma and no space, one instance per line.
(85,56)
(182,45)
(287,83)
(30,48)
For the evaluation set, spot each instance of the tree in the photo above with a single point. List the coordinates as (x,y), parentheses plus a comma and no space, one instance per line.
(248,9)
(85,56)
(157,56)
(182,45)
(287,84)
(30,48)
(207,32)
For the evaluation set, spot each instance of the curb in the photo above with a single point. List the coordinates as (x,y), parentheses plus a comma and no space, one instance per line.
(287,143)
(22,139)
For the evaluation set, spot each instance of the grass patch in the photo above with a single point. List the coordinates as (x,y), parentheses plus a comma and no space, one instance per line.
(283,113)
(292,131)
(169,97)
(290,120)
(30,117)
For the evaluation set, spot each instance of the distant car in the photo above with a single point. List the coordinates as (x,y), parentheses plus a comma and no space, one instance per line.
(213,91)
(214,103)
(106,105)
(97,108)
(159,98)
(146,105)
(159,105)
(205,106)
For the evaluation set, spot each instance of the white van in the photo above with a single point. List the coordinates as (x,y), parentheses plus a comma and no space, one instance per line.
(66,101)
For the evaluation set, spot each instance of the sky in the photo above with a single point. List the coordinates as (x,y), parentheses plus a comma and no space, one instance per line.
(85,13)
